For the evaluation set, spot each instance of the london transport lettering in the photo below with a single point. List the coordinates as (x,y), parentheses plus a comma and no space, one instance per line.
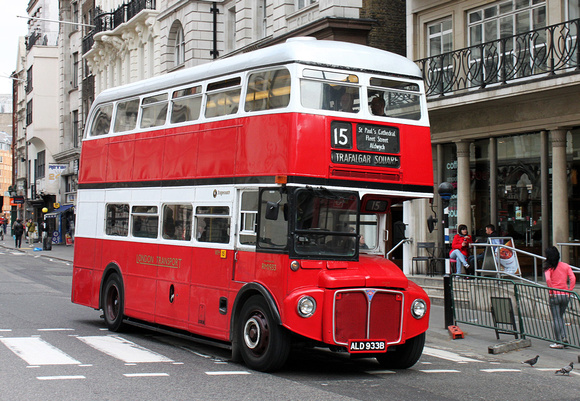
(159,261)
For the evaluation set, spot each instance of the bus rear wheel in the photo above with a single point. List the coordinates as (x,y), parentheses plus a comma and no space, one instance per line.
(404,356)
(113,303)
(264,345)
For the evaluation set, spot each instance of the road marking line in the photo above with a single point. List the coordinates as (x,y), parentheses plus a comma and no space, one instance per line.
(439,371)
(228,373)
(56,329)
(60,377)
(380,372)
(146,374)
(122,349)
(450,356)
(5,330)
(36,351)
(499,370)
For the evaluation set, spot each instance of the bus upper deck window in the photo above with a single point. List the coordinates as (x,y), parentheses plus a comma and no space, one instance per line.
(398,99)
(326,90)
(102,121)
(186,104)
(126,116)
(154,111)
(221,101)
(268,90)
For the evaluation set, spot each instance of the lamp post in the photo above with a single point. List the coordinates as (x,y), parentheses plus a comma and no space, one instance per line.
(445,191)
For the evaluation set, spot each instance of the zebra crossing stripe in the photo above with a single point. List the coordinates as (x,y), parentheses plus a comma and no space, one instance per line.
(38,352)
(122,349)
(450,356)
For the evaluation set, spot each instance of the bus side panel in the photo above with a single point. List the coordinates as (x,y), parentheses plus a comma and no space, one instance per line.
(416,159)
(94,154)
(149,159)
(172,304)
(180,156)
(83,281)
(263,145)
(121,151)
(216,152)
(138,264)
(271,269)
(210,277)
(310,155)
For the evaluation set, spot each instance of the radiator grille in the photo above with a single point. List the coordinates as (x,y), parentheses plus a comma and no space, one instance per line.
(364,313)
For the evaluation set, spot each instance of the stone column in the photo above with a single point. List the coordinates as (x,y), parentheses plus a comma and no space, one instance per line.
(560,215)
(493,182)
(463,185)
(544,174)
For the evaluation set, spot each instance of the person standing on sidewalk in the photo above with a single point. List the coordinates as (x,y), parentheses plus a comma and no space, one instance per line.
(557,275)
(31,228)
(17,231)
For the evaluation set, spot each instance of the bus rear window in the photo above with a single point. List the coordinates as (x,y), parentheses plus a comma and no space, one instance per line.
(186,104)
(268,90)
(102,121)
(126,116)
(117,222)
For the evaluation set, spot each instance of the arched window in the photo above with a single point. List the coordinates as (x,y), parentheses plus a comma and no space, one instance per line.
(177,43)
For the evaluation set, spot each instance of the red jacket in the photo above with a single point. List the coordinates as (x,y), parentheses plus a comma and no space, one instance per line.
(559,277)
(458,244)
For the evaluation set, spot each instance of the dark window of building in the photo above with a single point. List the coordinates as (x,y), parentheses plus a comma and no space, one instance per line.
(41,166)
(29,113)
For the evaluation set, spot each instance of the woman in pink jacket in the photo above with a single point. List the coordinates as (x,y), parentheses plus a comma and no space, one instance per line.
(557,275)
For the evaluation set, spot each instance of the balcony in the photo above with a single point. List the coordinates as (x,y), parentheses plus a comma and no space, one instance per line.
(111,20)
(544,52)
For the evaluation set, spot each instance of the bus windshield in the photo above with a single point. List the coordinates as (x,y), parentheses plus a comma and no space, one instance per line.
(325,223)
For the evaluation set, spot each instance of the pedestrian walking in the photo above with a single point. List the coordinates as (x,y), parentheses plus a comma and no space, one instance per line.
(558,275)
(17,231)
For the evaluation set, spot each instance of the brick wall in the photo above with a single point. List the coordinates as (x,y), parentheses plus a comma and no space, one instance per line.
(389,29)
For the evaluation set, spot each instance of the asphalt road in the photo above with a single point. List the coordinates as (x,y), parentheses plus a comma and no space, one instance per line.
(53,349)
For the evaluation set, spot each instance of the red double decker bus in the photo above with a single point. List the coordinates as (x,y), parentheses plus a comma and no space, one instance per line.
(245,201)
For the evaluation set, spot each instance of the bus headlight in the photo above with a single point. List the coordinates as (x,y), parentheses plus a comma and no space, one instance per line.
(419,308)
(306,306)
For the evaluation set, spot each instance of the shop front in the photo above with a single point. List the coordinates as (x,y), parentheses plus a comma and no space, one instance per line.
(60,224)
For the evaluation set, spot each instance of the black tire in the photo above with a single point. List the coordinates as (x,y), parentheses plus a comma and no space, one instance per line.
(404,356)
(264,345)
(113,303)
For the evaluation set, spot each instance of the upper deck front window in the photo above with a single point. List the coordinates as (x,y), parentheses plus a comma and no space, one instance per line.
(392,98)
(327,90)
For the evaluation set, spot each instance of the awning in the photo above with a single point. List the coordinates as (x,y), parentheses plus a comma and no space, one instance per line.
(58,211)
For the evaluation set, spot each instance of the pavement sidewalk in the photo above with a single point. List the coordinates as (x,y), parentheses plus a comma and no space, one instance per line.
(475,344)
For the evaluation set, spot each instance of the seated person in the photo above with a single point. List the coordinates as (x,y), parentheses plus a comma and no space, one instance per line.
(378,106)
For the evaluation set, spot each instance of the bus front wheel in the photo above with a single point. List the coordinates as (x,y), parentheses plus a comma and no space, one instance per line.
(113,303)
(264,345)
(404,356)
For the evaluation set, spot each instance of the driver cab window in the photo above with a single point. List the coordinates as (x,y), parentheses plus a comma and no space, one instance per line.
(273,220)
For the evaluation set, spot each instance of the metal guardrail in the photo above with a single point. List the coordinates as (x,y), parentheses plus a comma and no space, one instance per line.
(404,240)
(497,260)
(511,307)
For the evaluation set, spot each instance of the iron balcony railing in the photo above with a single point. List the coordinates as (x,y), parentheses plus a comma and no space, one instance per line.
(111,20)
(544,51)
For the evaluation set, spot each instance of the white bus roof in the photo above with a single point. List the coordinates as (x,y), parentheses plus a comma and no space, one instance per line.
(323,53)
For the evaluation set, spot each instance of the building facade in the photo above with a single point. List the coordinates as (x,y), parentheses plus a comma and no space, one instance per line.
(36,181)
(503,78)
